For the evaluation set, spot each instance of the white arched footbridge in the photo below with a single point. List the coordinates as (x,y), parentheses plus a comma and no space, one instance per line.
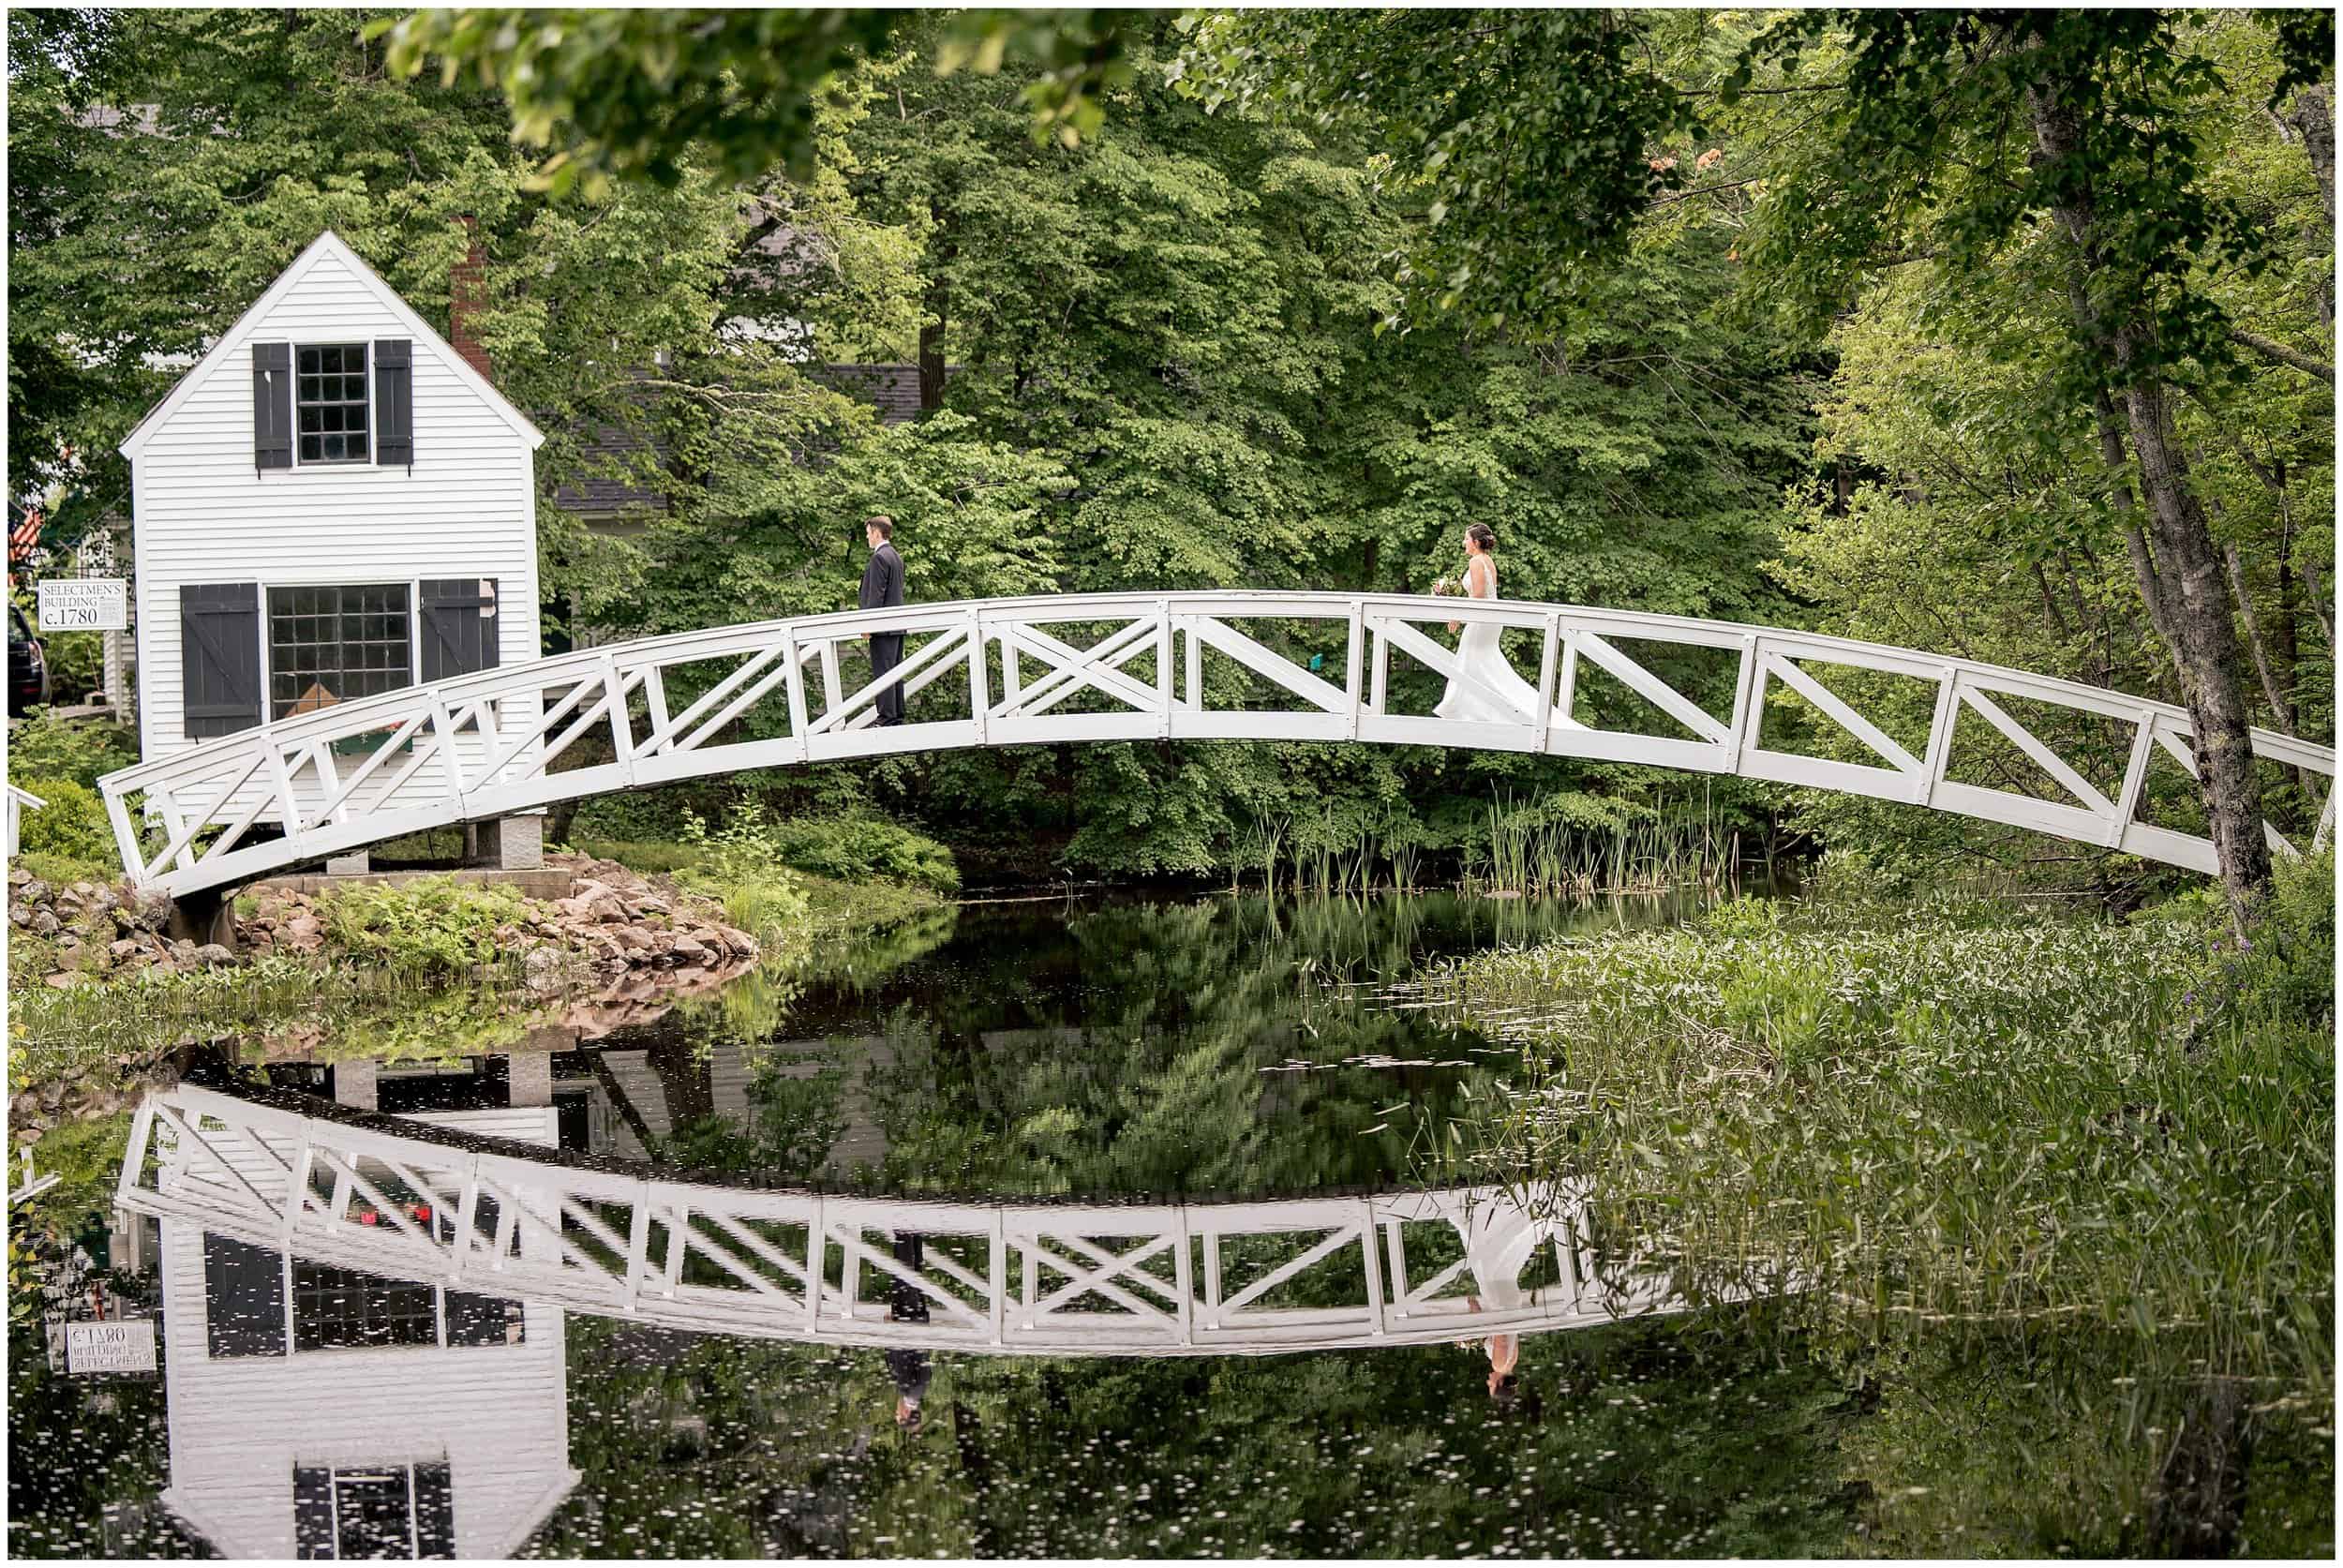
(410,1201)
(1134,667)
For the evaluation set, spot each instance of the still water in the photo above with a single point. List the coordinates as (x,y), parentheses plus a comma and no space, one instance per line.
(1125,1055)
(1127,1049)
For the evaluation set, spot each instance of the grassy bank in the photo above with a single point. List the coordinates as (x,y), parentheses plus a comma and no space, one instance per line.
(1977,1136)
(403,1001)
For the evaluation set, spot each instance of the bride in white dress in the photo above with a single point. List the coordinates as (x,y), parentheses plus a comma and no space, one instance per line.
(1479,651)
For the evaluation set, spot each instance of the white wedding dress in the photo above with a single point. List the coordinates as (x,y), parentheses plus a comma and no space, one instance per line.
(1480,655)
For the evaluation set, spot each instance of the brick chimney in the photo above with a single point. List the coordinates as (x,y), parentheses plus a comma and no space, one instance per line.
(466,293)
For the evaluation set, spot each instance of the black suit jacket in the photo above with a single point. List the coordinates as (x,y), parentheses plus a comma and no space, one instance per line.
(883,579)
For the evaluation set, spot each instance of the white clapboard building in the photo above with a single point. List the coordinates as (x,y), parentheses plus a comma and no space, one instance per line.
(332,503)
(321,1412)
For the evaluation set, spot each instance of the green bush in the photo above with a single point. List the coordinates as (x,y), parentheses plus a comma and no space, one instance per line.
(433,924)
(71,823)
(742,864)
(77,664)
(2283,972)
(47,747)
(854,848)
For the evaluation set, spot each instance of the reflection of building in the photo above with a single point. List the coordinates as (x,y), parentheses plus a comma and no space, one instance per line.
(318,1411)
(641,1095)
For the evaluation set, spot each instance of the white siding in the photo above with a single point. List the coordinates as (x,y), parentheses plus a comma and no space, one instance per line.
(497,1413)
(202,513)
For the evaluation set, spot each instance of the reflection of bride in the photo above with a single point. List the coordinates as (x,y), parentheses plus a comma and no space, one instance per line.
(1479,651)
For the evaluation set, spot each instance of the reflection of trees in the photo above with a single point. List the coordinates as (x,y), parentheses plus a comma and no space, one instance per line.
(1631,1440)
(86,1459)
(1129,1050)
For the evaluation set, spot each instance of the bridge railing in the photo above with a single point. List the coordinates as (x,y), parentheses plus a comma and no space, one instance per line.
(1212,666)
(1059,1278)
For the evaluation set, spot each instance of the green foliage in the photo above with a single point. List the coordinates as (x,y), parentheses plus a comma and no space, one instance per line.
(1531,149)
(628,90)
(71,826)
(44,746)
(433,925)
(852,847)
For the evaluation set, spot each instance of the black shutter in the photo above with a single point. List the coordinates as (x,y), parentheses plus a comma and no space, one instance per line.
(435,1510)
(313,1513)
(393,402)
(459,627)
(219,658)
(272,406)
(244,1297)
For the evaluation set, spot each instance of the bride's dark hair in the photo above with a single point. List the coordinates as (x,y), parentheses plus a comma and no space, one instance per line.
(1483,535)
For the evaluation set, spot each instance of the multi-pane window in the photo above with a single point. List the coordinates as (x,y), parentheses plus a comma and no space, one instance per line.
(336,1308)
(359,1511)
(330,393)
(335,644)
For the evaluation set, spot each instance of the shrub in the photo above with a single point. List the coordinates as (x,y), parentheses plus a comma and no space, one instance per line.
(742,864)
(77,664)
(72,825)
(853,848)
(47,747)
(433,924)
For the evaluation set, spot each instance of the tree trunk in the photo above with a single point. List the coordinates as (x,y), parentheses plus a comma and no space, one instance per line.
(2182,583)
(2204,629)
(938,313)
(2314,115)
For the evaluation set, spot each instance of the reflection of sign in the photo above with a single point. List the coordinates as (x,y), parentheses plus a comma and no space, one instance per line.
(84,604)
(127,1346)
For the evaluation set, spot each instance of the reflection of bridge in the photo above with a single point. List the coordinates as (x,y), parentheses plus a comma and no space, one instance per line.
(403,1202)
(1132,666)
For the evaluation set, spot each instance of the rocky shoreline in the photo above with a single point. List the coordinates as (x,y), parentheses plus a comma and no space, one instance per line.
(615,923)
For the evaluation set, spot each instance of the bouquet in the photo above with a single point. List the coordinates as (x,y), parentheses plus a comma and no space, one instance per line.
(1448,588)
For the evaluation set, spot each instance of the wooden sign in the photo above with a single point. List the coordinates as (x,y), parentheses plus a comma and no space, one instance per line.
(124,1346)
(84,604)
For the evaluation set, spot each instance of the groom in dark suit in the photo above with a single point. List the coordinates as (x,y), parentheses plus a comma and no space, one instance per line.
(883,589)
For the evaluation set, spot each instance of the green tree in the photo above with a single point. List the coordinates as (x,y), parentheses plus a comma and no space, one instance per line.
(1951,136)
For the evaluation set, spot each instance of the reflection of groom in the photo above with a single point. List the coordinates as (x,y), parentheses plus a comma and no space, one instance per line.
(883,589)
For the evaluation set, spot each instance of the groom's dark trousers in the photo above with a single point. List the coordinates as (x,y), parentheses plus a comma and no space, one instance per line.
(883,589)
(886,652)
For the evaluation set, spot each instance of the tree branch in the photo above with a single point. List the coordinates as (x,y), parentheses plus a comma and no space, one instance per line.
(2271,348)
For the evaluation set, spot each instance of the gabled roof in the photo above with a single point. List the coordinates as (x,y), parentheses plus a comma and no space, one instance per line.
(233,339)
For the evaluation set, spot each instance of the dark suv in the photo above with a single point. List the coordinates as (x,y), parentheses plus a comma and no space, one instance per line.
(28,667)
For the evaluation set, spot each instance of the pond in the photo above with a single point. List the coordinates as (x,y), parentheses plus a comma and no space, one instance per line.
(1112,1057)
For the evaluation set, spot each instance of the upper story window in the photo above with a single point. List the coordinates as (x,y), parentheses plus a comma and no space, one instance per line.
(331,398)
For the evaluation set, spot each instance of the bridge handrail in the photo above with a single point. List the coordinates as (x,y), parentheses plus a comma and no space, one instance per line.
(261,758)
(360,714)
(1144,1278)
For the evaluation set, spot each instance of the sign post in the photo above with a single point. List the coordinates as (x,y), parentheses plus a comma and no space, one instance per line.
(84,604)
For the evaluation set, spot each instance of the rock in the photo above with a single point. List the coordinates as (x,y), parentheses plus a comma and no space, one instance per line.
(689,946)
(125,948)
(211,955)
(44,924)
(104,901)
(20,914)
(64,981)
(632,940)
(84,890)
(35,891)
(18,876)
(183,950)
(151,910)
